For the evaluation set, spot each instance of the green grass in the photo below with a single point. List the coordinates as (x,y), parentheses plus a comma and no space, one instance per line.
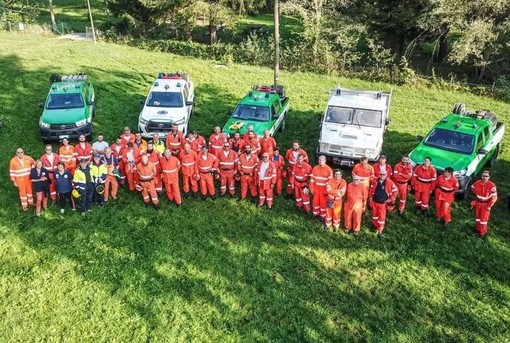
(226,271)
(73,15)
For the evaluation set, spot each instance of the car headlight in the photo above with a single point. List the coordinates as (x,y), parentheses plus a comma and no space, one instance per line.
(324,146)
(143,121)
(460,174)
(81,122)
(180,121)
(43,124)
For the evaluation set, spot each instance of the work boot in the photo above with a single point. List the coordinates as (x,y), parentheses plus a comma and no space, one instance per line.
(62,211)
(213,197)
(186,195)
(380,234)
(204,197)
(346,231)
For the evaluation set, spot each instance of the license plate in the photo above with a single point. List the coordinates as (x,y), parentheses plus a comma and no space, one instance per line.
(63,136)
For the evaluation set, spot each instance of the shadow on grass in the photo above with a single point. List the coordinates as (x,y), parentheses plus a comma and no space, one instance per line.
(246,274)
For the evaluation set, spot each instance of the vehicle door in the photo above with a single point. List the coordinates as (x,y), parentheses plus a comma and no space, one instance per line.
(276,116)
(480,145)
(186,97)
(88,98)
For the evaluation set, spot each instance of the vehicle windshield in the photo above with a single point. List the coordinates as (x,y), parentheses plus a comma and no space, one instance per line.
(246,112)
(165,99)
(353,116)
(458,142)
(64,101)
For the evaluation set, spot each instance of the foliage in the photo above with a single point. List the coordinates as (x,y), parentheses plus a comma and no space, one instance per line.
(18,11)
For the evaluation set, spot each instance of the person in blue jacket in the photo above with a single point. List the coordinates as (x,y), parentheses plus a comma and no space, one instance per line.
(64,185)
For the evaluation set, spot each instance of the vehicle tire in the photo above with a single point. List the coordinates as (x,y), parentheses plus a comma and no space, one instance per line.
(493,158)
(282,127)
(464,196)
(459,108)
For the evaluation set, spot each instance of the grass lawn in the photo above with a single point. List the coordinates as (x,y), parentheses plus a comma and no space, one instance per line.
(227,271)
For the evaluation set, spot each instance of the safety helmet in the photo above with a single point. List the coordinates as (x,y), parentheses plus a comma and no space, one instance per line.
(100,189)
(75,193)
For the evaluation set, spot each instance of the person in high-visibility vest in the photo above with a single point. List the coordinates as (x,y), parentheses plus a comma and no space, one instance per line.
(216,141)
(146,171)
(19,170)
(227,166)
(320,176)
(301,172)
(206,165)
(67,155)
(111,184)
(335,189)
(188,157)
(446,186)
(486,196)
(402,174)
(365,172)
(423,183)
(265,176)
(246,168)
(355,205)
(84,184)
(291,157)
(170,166)
(175,140)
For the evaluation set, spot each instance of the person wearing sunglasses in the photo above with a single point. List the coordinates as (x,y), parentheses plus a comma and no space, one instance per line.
(486,196)
(19,169)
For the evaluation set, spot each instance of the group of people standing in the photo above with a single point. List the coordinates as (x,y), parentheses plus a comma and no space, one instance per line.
(94,172)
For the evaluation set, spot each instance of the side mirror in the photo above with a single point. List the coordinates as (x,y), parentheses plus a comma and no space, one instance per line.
(41,105)
(387,122)
(419,138)
(229,113)
(482,152)
(319,118)
(276,116)
(142,101)
(189,103)
(90,103)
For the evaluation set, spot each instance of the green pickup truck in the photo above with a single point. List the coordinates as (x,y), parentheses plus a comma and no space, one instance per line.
(69,108)
(465,141)
(264,107)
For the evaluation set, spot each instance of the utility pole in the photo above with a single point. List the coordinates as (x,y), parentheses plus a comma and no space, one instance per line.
(276,43)
(91,22)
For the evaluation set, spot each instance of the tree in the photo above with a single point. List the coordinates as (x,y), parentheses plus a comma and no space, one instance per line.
(52,13)
(18,11)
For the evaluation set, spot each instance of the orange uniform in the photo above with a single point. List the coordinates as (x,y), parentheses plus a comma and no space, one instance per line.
(175,141)
(382,198)
(486,196)
(141,145)
(216,143)
(246,135)
(299,178)
(68,156)
(377,169)
(170,173)
(445,194)
(111,184)
(356,199)
(50,163)
(237,145)
(365,173)
(246,167)
(83,150)
(146,179)
(423,182)
(402,174)
(205,166)
(19,170)
(265,178)
(267,144)
(318,180)
(335,191)
(131,157)
(127,138)
(291,157)
(196,143)
(188,171)
(154,159)
(279,162)
(227,167)
(254,143)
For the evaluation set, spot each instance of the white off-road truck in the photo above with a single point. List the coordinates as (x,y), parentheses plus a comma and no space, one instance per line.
(353,125)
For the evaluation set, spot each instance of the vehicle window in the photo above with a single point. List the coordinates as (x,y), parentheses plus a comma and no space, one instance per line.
(486,133)
(480,141)
(369,118)
(275,109)
(258,113)
(63,101)
(186,92)
(339,115)
(461,143)
(165,99)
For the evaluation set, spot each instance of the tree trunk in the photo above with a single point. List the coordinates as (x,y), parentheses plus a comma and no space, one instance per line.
(442,51)
(52,13)
(213,34)
(400,45)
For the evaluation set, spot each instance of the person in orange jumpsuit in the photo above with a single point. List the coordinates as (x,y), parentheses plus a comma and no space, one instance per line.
(402,174)
(246,168)
(237,143)
(67,155)
(227,168)
(265,176)
(335,189)
(19,170)
(486,196)
(254,143)
(131,158)
(267,144)
(423,182)
(279,163)
(127,136)
(83,149)
(320,176)
(145,183)
(118,151)
(170,166)
(50,160)
(175,140)
(291,157)
(188,158)
(380,165)
(139,142)
(446,186)
(300,184)
(111,184)
(246,135)
(355,205)
(216,141)
(206,165)
(383,193)
(365,172)
(154,159)
(195,141)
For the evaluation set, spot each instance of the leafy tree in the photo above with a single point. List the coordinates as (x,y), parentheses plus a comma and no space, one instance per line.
(18,11)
